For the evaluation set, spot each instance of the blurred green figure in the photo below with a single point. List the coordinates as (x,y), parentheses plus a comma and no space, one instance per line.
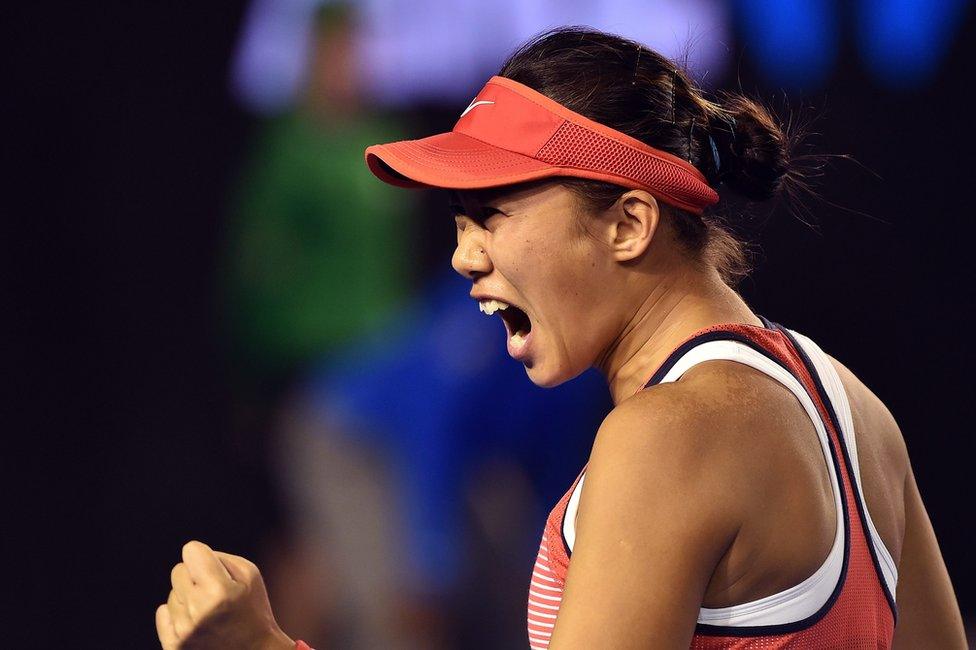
(317,257)
(318,251)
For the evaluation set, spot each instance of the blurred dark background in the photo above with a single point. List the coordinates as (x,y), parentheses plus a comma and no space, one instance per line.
(127,136)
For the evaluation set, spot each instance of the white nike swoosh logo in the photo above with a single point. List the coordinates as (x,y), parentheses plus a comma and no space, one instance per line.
(472,105)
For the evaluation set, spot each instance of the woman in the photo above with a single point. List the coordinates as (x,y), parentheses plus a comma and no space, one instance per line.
(746,490)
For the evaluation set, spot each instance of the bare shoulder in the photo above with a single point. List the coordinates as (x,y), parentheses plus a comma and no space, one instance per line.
(660,438)
(700,436)
(721,413)
(662,414)
(654,519)
(674,425)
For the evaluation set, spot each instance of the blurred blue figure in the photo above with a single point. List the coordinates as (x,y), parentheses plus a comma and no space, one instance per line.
(439,397)
(797,43)
(794,42)
(904,41)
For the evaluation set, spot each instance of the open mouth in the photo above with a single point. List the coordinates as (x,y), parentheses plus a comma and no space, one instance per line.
(517,322)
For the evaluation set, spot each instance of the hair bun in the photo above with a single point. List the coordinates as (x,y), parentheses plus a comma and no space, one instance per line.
(754,151)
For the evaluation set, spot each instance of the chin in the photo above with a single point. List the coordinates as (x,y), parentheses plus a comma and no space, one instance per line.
(547,377)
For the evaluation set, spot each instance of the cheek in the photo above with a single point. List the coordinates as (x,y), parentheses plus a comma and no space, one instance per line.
(579,292)
(559,275)
(555,258)
(573,281)
(569,297)
(557,271)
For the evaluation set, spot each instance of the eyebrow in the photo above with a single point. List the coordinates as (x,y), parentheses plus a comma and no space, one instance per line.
(457,205)
(485,195)
(479,211)
(480,197)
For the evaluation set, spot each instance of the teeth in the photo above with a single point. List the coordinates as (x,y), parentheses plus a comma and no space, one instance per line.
(517,340)
(491,306)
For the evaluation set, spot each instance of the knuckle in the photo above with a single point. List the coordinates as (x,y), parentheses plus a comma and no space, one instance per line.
(251,570)
(191,547)
(218,592)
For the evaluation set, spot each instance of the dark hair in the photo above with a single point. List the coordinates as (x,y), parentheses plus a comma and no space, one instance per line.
(626,86)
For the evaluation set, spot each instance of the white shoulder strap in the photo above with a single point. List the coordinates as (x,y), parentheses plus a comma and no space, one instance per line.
(834,388)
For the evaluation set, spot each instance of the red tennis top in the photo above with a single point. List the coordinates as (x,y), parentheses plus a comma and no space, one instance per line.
(849,601)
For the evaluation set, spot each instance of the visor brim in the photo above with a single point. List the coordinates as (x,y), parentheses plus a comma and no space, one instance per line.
(453,161)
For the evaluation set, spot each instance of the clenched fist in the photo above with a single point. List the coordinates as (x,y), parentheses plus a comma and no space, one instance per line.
(218,602)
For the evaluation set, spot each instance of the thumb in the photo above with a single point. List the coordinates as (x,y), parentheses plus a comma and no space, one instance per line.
(240,569)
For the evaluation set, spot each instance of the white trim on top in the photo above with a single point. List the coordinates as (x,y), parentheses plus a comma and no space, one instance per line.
(572,507)
(842,407)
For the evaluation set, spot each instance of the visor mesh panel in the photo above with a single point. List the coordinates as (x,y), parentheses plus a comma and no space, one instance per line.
(576,146)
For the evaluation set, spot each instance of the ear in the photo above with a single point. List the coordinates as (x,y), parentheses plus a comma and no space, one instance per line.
(633,221)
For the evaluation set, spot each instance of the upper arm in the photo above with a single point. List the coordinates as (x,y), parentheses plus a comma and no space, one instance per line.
(656,514)
(928,614)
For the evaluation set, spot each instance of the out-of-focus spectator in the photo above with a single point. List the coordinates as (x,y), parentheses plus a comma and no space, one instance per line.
(318,253)
(410,443)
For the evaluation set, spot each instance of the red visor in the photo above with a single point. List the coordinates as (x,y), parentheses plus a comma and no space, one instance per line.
(511,134)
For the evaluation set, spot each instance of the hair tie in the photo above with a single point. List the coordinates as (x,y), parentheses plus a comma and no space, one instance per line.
(723,140)
(715,156)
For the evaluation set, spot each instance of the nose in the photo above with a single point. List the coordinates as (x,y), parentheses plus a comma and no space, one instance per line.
(470,258)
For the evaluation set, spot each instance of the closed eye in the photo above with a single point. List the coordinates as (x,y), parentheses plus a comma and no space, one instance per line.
(481,218)
(460,217)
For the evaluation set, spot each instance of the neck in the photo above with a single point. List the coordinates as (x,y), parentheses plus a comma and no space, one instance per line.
(677,306)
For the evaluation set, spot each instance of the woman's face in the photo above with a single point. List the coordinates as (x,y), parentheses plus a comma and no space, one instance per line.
(524,247)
